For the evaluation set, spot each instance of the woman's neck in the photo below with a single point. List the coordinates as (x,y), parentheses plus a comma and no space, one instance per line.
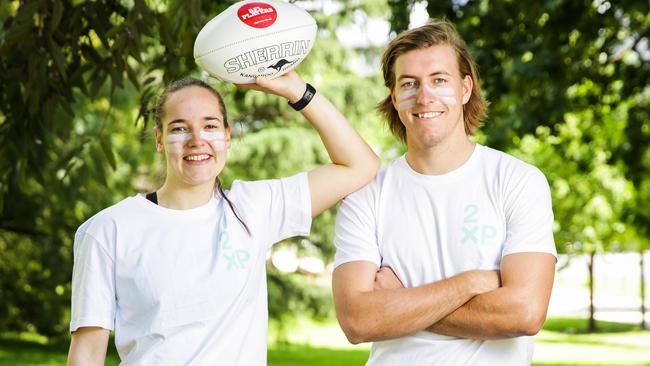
(185,197)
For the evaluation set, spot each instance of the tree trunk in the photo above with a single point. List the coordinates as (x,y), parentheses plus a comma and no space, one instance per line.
(643,307)
(592,321)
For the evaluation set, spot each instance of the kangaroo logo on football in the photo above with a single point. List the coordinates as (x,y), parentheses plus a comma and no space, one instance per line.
(278,65)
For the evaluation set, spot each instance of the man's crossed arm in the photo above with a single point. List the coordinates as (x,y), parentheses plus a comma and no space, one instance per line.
(372,305)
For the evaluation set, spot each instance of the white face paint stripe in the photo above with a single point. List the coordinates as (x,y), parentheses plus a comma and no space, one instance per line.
(179,137)
(218,145)
(216,139)
(447,100)
(441,92)
(444,95)
(175,142)
(407,99)
(174,147)
(214,135)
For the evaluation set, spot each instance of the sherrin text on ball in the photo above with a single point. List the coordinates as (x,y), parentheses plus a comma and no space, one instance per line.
(255,38)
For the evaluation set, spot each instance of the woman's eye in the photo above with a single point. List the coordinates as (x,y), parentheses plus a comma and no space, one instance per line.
(439,81)
(212,127)
(178,130)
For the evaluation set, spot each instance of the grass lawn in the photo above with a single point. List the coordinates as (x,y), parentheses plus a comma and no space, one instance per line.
(562,342)
(566,342)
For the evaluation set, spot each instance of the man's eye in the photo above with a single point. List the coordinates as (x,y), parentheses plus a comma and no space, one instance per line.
(439,81)
(212,127)
(408,85)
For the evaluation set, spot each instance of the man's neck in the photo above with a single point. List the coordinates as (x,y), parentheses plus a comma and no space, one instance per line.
(441,158)
(184,197)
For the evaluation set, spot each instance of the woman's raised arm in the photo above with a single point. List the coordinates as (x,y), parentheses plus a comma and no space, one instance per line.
(354,164)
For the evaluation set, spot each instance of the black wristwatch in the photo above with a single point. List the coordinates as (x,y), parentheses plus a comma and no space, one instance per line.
(306,98)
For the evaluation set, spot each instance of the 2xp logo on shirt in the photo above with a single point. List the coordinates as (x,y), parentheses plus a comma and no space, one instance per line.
(235,258)
(472,232)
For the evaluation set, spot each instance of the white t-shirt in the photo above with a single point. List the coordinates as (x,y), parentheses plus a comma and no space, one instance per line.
(428,228)
(186,287)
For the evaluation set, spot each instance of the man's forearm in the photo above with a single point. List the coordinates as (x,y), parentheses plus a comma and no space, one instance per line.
(393,313)
(492,315)
(516,309)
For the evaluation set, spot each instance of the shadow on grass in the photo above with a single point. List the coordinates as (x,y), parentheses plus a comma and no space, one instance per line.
(580,326)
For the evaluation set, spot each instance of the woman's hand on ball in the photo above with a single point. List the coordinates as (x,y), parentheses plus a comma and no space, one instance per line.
(289,86)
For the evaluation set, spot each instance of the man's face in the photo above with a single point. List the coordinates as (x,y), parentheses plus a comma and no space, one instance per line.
(429,95)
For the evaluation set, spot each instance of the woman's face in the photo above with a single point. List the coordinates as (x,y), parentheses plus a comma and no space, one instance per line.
(193,137)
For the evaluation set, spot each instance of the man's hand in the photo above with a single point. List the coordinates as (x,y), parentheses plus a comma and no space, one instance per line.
(386,279)
(517,308)
(373,305)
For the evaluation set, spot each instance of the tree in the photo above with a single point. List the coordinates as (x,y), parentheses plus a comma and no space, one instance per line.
(64,67)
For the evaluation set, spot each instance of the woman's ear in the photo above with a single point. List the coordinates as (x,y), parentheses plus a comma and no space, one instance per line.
(228,137)
(158,135)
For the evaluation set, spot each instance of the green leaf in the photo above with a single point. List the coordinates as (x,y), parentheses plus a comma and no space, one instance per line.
(98,164)
(108,151)
(27,10)
(116,75)
(115,30)
(133,77)
(57,13)
(97,80)
(17,34)
(59,60)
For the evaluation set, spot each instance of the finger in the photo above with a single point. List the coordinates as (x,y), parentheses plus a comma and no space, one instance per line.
(263,82)
(248,86)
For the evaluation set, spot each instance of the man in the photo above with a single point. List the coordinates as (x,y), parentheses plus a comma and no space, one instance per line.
(447,257)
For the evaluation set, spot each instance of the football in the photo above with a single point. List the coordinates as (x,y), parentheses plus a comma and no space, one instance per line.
(255,38)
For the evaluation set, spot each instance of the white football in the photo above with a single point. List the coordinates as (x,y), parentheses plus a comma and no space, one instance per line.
(255,38)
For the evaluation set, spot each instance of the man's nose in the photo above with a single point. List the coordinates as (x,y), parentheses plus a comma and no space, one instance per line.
(426,94)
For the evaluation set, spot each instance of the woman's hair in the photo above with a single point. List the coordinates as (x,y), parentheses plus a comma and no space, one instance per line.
(159,112)
(434,33)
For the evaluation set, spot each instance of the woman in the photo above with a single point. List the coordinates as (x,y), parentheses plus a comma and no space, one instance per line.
(179,274)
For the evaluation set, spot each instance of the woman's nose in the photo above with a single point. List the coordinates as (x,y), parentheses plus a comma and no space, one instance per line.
(196,139)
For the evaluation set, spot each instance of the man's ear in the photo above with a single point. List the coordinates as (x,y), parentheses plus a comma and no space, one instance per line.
(158,135)
(468,85)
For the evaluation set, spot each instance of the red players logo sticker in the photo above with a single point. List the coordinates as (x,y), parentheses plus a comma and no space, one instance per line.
(257,15)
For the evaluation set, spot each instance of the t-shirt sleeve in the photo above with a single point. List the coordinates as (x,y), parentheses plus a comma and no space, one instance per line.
(290,211)
(356,235)
(276,208)
(529,215)
(93,284)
